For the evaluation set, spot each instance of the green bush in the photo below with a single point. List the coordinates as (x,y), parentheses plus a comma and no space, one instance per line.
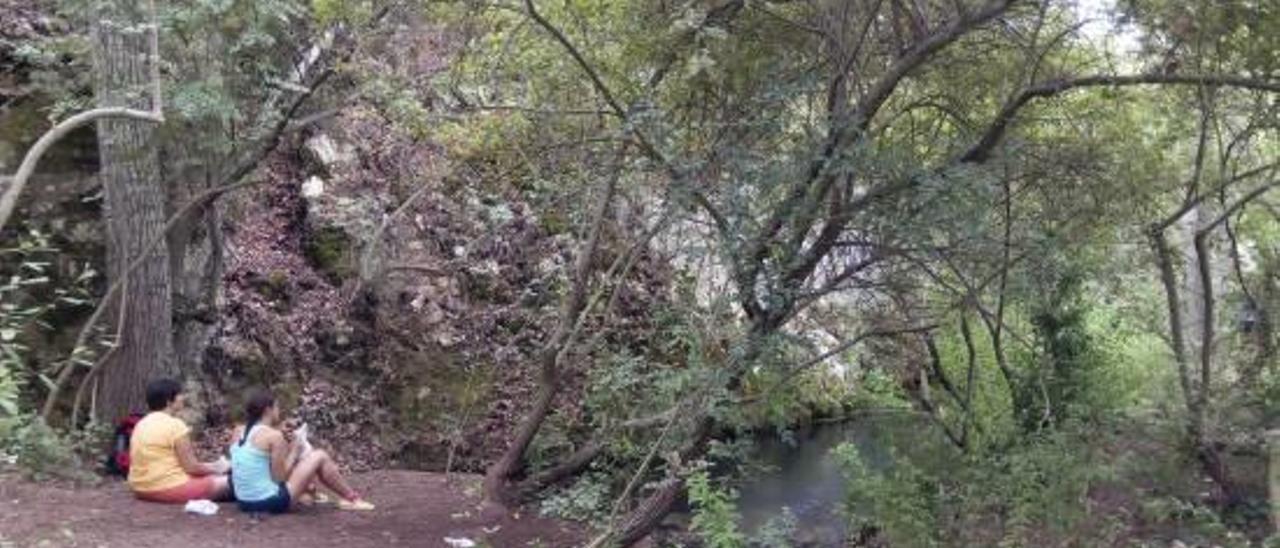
(587,499)
(715,514)
(900,502)
(30,293)
(40,453)
(1014,496)
(777,532)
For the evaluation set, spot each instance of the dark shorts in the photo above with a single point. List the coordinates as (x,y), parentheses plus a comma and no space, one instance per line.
(276,504)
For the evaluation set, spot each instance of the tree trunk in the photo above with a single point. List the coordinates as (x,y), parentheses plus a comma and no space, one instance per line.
(497,479)
(645,518)
(135,214)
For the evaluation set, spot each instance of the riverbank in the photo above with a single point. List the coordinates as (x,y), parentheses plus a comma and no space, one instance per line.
(414,509)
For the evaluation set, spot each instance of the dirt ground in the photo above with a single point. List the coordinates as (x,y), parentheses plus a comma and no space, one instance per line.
(414,509)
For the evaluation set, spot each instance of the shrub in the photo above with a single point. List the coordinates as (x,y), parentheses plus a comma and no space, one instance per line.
(587,499)
(1014,495)
(715,514)
(41,453)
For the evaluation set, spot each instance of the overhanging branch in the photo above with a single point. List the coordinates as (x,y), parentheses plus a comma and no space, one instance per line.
(981,151)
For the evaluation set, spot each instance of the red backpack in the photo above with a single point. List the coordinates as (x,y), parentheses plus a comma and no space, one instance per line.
(118,459)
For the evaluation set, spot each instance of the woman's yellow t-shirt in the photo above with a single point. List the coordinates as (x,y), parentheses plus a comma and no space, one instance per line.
(153,453)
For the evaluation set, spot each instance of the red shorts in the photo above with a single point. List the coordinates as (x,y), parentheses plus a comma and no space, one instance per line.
(203,487)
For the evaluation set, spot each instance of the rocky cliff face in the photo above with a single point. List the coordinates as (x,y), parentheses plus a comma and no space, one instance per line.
(393,308)
(392,303)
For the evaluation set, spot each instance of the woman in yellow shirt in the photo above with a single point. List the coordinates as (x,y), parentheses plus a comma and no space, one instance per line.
(162,463)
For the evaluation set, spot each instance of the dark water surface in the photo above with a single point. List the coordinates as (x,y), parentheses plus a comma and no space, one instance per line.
(804,476)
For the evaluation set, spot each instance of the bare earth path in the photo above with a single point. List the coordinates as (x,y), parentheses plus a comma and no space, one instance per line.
(414,509)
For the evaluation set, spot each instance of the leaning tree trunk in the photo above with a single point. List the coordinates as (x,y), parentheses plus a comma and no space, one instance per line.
(135,214)
(497,480)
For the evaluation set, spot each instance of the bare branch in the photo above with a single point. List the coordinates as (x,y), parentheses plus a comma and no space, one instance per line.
(1238,205)
(1197,200)
(982,150)
(202,200)
(28,167)
(846,345)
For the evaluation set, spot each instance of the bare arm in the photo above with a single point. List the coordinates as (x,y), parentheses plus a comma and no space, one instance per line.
(280,451)
(188,461)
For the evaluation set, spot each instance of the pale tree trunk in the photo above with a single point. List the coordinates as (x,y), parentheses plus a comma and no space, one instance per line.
(135,213)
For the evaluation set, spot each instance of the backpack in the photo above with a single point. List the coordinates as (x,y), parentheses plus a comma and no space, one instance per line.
(117,462)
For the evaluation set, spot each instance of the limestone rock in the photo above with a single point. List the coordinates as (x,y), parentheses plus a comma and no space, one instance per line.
(324,154)
(313,187)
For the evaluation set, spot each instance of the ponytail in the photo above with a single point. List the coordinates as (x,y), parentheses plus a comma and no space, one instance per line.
(260,399)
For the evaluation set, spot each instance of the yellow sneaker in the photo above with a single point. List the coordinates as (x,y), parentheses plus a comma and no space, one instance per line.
(359,505)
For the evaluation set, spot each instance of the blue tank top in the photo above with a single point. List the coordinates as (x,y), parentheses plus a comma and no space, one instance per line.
(251,471)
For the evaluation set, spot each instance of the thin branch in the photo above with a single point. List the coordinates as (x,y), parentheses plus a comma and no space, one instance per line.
(982,150)
(92,375)
(1186,206)
(793,372)
(370,253)
(1206,322)
(646,145)
(1169,279)
(155,115)
(596,81)
(199,201)
(1238,205)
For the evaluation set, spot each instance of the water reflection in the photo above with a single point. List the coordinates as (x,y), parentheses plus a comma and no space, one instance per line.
(804,476)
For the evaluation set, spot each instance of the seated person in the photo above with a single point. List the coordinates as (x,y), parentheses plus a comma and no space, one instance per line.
(162,463)
(267,474)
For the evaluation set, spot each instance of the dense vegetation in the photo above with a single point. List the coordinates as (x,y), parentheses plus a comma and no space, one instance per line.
(599,249)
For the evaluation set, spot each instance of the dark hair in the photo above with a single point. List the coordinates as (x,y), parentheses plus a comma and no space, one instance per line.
(162,392)
(260,399)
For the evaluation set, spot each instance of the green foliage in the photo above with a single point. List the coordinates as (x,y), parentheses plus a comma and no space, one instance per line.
(10,387)
(877,390)
(39,285)
(36,288)
(1197,524)
(587,499)
(715,517)
(1060,320)
(1009,497)
(777,532)
(333,11)
(330,250)
(41,453)
(901,501)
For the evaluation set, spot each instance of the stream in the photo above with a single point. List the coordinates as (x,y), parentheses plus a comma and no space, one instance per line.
(804,477)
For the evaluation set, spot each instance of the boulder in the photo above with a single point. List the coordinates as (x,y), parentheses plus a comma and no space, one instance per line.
(324,155)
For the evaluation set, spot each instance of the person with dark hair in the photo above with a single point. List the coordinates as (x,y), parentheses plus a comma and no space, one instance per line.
(267,472)
(163,465)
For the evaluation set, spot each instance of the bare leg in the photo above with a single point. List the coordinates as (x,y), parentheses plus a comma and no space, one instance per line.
(318,465)
(221,488)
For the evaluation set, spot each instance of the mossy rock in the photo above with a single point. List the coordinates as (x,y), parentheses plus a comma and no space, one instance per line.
(273,287)
(331,251)
(554,222)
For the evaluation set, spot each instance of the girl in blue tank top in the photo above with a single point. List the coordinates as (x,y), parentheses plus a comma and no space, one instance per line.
(267,477)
